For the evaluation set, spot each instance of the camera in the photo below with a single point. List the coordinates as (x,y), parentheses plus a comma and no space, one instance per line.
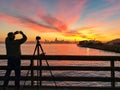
(38,38)
(17,32)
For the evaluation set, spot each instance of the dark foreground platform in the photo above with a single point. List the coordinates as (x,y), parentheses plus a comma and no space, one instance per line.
(63,88)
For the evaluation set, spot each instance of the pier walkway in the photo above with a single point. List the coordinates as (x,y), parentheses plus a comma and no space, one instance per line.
(112,67)
(62,88)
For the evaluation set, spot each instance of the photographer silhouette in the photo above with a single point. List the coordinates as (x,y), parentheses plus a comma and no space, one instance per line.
(13,55)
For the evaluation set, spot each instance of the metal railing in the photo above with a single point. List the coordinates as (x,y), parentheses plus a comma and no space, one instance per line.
(112,68)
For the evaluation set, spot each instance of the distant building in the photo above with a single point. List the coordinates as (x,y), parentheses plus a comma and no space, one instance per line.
(114,42)
(90,42)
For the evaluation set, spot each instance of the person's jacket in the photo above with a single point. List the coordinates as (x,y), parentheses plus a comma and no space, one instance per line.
(13,46)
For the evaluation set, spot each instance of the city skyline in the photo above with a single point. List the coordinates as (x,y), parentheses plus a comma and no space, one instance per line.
(67,20)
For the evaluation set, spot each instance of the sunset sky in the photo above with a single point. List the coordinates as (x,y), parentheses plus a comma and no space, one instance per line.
(62,19)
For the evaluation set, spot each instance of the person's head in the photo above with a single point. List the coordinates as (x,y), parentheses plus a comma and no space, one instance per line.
(11,35)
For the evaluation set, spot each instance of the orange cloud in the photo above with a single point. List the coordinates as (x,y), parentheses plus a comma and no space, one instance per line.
(84,33)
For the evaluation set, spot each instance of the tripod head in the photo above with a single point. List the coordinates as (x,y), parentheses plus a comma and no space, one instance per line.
(38,38)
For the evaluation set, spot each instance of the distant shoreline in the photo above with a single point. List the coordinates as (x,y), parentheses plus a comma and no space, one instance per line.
(111,48)
(46,42)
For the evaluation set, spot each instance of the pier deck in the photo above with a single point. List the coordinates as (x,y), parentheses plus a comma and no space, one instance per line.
(62,88)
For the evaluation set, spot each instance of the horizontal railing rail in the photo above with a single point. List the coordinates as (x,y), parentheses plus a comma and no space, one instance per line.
(111,68)
(68,57)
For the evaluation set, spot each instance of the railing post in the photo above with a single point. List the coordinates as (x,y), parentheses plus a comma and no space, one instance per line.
(40,72)
(32,72)
(112,73)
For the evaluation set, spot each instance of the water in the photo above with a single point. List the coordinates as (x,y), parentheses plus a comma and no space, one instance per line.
(68,49)
(60,49)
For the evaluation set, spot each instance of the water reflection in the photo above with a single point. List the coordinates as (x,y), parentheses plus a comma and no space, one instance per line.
(60,49)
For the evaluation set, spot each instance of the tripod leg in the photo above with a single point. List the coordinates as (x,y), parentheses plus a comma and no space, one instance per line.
(50,70)
(47,62)
(31,65)
(39,72)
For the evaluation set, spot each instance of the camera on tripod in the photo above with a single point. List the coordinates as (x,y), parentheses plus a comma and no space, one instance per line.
(38,38)
(37,49)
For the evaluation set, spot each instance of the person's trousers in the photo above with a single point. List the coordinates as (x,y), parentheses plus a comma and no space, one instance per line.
(13,64)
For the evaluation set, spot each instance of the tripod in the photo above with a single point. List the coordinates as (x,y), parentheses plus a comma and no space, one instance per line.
(38,48)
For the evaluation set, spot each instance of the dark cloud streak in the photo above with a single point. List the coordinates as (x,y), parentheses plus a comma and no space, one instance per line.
(28,20)
(54,22)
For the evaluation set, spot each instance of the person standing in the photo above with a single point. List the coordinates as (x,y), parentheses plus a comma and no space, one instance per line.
(13,54)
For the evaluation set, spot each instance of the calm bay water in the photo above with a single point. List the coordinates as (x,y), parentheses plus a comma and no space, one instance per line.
(60,49)
(68,49)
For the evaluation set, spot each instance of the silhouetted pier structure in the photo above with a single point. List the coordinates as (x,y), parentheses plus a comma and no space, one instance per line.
(111,68)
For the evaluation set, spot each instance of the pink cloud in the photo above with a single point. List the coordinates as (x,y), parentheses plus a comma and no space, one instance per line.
(1,16)
(62,21)
(8,19)
(28,23)
(68,14)
(39,14)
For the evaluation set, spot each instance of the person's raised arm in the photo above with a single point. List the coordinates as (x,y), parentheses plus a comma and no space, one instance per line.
(24,37)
